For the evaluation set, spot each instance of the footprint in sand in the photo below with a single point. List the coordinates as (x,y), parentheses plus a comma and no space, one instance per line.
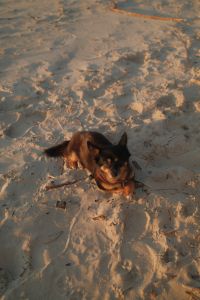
(137,260)
(136,269)
(5,279)
(14,262)
(189,209)
(8,118)
(132,62)
(165,102)
(135,58)
(25,122)
(136,222)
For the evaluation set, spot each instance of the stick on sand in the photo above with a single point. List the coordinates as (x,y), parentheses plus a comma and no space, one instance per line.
(55,186)
(116,9)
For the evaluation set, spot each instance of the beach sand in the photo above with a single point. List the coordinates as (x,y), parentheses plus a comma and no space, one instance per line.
(79,65)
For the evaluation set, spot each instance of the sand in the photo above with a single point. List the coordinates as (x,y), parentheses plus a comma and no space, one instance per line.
(77,65)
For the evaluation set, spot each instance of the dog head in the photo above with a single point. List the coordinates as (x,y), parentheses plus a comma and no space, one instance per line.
(113,161)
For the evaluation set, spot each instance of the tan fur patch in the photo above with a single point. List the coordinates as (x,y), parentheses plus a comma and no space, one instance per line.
(72,161)
(73,156)
(123,174)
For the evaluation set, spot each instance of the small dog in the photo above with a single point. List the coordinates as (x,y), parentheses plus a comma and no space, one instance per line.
(107,163)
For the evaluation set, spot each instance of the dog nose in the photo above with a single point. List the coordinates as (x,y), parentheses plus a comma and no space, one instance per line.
(114,172)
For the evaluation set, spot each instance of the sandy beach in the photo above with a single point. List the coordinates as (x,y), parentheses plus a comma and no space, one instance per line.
(75,65)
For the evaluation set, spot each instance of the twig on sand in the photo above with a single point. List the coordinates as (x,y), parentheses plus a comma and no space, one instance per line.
(116,9)
(55,186)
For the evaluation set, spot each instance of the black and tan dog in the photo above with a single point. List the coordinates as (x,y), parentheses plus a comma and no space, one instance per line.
(107,163)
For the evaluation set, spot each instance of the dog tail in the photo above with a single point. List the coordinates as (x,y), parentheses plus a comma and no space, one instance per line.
(57,151)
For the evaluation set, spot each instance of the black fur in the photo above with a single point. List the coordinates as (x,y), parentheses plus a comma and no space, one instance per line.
(107,162)
(58,150)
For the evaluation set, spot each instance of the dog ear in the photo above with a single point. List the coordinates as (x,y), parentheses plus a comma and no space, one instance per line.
(123,140)
(93,148)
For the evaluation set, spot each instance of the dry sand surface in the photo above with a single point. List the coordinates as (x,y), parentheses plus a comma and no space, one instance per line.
(77,65)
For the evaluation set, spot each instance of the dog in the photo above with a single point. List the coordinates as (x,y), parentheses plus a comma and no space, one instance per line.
(107,163)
